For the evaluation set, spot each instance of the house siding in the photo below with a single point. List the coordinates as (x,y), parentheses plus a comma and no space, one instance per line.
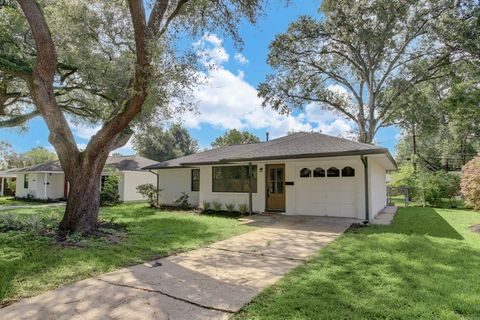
(130,180)
(378,188)
(327,196)
(36,185)
(127,185)
(173,182)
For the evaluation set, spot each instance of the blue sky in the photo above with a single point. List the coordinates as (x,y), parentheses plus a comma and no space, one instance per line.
(228,100)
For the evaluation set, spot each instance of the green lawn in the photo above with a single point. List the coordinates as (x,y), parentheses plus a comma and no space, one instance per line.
(426,265)
(11,201)
(31,264)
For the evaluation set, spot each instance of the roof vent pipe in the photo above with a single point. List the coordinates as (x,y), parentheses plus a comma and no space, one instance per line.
(266,135)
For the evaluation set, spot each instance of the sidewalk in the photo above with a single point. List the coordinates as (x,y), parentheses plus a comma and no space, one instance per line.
(213,282)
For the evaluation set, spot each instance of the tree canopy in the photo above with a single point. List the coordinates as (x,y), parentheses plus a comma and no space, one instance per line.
(359,58)
(234,136)
(11,159)
(39,155)
(441,121)
(158,144)
(105,63)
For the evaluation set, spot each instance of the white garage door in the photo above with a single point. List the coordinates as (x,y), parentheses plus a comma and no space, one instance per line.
(326,196)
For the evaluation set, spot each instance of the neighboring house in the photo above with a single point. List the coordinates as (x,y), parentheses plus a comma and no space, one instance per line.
(299,174)
(47,180)
(5,178)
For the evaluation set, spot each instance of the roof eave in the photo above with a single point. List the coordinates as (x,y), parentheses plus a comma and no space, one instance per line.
(312,155)
(281,157)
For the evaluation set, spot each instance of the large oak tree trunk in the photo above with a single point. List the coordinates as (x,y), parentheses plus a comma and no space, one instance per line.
(83,169)
(83,202)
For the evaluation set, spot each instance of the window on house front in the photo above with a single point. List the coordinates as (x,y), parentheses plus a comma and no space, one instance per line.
(233,179)
(333,172)
(318,172)
(195,179)
(348,172)
(25,181)
(305,173)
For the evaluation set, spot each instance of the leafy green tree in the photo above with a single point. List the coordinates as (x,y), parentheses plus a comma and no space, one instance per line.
(441,121)
(425,185)
(109,191)
(358,59)
(39,155)
(101,62)
(10,159)
(161,145)
(234,136)
(460,29)
(6,152)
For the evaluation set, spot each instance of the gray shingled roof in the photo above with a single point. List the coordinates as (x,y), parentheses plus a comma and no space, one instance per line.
(297,145)
(120,163)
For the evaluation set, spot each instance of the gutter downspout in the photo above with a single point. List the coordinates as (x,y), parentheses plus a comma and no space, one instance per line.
(250,187)
(158,184)
(367,208)
(45,186)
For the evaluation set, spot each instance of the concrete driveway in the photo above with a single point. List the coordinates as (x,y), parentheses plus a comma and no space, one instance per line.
(213,282)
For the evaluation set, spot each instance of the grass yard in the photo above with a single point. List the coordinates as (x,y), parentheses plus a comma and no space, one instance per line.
(426,265)
(11,201)
(31,264)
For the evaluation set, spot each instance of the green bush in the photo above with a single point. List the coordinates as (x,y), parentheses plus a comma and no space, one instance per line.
(182,201)
(149,191)
(217,206)
(230,207)
(426,186)
(243,208)
(432,187)
(206,206)
(12,185)
(30,223)
(109,192)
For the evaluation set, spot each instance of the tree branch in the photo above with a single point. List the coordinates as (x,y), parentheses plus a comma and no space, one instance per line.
(41,84)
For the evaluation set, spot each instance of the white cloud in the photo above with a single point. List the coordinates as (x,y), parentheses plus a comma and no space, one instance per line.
(83,131)
(227,101)
(240,58)
(211,50)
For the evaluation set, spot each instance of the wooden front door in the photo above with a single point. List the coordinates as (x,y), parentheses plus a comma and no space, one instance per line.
(275,187)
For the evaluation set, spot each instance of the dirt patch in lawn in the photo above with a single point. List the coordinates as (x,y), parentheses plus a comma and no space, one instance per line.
(475,228)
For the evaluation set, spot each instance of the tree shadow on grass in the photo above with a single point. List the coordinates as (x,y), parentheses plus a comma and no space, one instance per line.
(422,222)
(31,264)
(385,276)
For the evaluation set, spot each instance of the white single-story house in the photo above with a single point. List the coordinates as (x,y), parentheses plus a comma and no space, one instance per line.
(47,180)
(299,174)
(5,178)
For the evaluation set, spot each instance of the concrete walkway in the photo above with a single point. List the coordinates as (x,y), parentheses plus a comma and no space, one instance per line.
(386,216)
(213,282)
